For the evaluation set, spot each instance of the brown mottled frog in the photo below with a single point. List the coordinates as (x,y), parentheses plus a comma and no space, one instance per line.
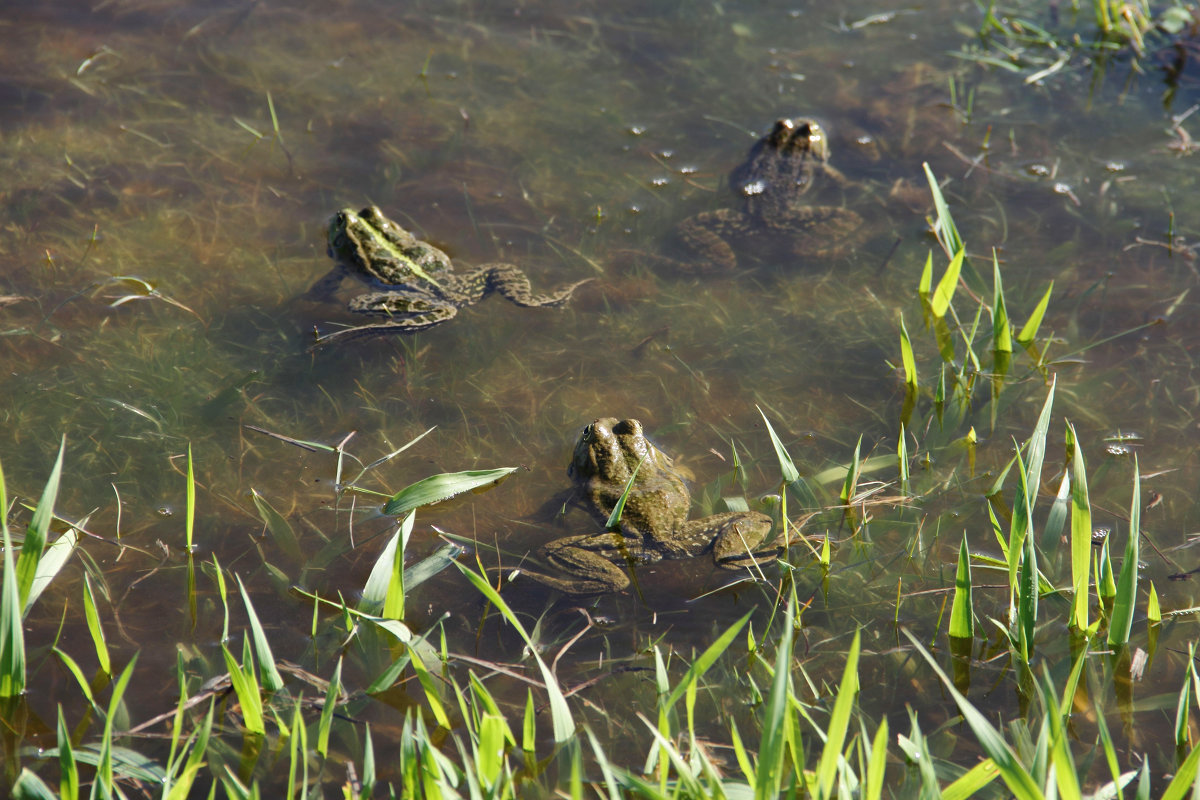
(654,523)
(415,284)
(771,187)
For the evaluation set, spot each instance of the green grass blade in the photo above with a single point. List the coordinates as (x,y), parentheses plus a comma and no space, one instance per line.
(769,772)
(68,771)
(187,777)
(272,681)
(1122,614)
(437,488)
(425,678)
(1081,532)
(972,782)
(529,725)
(613,523)
(561,720)
(191,502)
(907,359)
(1181,785)
(1182,732)
(94,627)
(839,722)
(1035,453)
(1030,329)
(12,635)
(706,660)
(332,693)
(1015,776)
(53,559)
(1027,597)
(245,686)
(393,601)
(925,285)
(877,766)
(104,770)
(787,467)
(1001,328)
(29,786)
(947,232)
(432,564)
(962,617)
(944,293)
(39,528)
(280,529)
(851,482)
(387,571)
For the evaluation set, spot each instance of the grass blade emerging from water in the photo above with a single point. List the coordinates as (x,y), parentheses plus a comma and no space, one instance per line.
(12,636)
(1122,613)
(1015,776)
(851,482)
(272,681)
(1081,532)
(1001,329)
(1030,329)
(94,627)
(944,293)
(839,722)
(962,620)
(560,713)
(245,686)
(39,528)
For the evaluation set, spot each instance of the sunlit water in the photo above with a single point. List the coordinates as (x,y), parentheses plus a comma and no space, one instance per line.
(201,149)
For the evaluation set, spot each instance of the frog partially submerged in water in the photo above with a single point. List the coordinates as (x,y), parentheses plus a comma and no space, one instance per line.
(771,186)
(654,523)
(415,284)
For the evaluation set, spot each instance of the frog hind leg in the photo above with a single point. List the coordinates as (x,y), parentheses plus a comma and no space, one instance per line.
(820,231)
(510,282)
(588,564)
(707,237)
(401,320)
(739,540)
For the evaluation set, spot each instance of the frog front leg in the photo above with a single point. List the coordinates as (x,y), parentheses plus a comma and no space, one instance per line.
(325,286)
(739,537)
(589,563)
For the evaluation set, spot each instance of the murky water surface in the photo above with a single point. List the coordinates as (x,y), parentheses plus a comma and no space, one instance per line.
(168,173)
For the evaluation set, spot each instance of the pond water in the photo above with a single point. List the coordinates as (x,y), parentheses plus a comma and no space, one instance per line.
(170,169)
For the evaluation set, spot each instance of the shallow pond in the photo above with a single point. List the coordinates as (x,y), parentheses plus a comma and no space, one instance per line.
(169,171)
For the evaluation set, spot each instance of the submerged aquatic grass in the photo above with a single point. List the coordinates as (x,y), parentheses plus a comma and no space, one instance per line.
(787,685)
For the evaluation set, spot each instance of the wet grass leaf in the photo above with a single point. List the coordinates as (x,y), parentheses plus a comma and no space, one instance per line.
(39,528)
(437,488)
(279,528)
(1081,532)
(1121,621)
(962,616)
(1015,776)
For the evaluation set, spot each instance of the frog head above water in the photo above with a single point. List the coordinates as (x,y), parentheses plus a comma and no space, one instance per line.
(608,451)
(782,165)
